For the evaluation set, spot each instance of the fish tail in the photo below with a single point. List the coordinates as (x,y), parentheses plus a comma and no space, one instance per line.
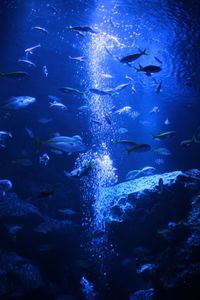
(136,69)
(129,151)
(145,52)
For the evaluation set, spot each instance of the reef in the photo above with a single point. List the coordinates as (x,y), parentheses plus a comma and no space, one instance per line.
(153,223)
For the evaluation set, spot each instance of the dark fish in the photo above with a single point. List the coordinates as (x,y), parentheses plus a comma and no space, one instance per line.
(158,60)
(163,135)
(139,148)
(148,69)
(187,143)
(127,143)
(158,87)
(45,194)
(14,75)
(81,29)
(130,58)
(69,90)
(108,119)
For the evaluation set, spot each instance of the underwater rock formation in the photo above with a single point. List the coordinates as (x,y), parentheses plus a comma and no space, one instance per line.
(155,223)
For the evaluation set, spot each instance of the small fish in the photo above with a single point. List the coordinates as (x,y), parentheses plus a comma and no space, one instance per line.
(27,62)
(44,159)
(148,69)
(23,162)
(45,71)
(105,75)
(19,102)
(125,109)
(78,58)
(108,92)
(122,130)
(30,50)
(14,75)
(44,120)
(158,60)
(139,148)
(5,186)
(81,29)
(163,135)
(167,122)
(80,172)
(187,143)
(41,29)
(13,229)
(67,211)
(158,87)
(159,161)
(30,132)
(154,110)
(58,105)
(121,87)
(53,9)
(69,90)
(162,151)
(130,58)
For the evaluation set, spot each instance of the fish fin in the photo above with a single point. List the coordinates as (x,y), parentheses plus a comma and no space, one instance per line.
(67,173)
(145,52)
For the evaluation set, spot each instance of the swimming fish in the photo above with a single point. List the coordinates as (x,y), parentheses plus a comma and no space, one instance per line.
(58,105)
(109,92)
(65,143)
(163,135)
(5,186)
(69,90)
(78,58)
(127,143)
(187,143)
(41,29)
(139,148)
(80,172)
(19,102)
(81,29)
(27,62)
(125,109)
(14,75)
(30,50)
(148,69)
(130,58)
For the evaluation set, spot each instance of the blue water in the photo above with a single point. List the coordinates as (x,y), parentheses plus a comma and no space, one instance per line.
(168,30)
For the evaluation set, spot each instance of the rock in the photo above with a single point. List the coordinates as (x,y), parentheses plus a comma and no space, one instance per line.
(17,275)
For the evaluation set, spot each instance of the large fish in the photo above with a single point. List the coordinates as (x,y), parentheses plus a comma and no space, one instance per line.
(19,102)
(14,75)
(148,69)
(130,58)
(66,144)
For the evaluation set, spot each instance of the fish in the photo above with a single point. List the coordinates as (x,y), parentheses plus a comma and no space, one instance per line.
(13,229)
(105,75)
(67,211)
(163,135)
(18,102)
(109,92)
(30,50)
(158,87)
(158,60)
(78,58)
(81,29)
(130,58)
(44,120)
(139,148)
(41,29)
(14,75)
(30,132)
(159,161)
(45,71)
(3,136)
(187,143)
(167,122)
(23,162)
(65,143)
(80,172)
(69,90)
(44,159)
(58,104)
(125,109)
(154,110)
(28,62)
(148,69)
(5,186)
(122,130)
(53,8)
(162,151)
